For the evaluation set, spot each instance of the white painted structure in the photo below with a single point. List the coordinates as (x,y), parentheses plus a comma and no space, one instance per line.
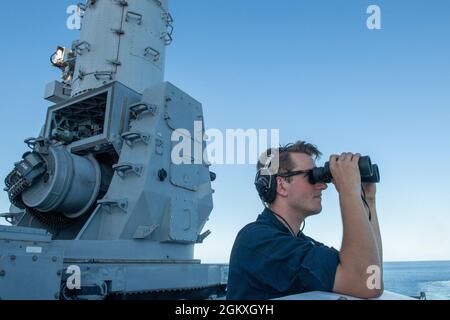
(125,45)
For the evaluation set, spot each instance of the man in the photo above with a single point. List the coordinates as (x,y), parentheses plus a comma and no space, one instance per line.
(272,258)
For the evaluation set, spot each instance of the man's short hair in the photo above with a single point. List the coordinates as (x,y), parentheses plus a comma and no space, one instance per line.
(285,162)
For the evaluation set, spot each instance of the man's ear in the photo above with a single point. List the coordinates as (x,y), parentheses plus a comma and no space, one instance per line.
(281,186)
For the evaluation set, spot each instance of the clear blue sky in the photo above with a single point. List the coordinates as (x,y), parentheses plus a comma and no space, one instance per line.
(309,68)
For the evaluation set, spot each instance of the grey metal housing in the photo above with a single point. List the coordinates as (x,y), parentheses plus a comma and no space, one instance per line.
(99,190)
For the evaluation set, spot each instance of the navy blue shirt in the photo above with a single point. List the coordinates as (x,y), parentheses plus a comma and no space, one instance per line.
(268,262)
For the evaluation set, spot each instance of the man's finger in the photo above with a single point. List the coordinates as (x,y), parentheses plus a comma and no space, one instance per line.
(356,157)
(334,158)
(347,156)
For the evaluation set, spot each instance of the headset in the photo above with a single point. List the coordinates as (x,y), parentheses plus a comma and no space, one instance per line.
(266,179)
(266,184)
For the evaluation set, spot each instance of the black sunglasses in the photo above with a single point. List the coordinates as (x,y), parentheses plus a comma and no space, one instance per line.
(307,173)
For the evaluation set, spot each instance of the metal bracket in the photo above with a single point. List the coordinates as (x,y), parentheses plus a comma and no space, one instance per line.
(115,62)
(139,108)
(122,204)
(80,47)
(167,17)
(135,15)
(166,37)
(203,236)
(122,3)
(133,137)
(143,232)
(155,53)
(102,74)
(81,7)
(123,169)
(81,74)
(32,143)
(119,32)
(11,216)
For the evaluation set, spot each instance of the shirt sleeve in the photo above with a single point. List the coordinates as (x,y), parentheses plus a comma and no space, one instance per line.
(318,268)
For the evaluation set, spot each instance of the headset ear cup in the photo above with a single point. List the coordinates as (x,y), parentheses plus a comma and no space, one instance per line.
(261,185)
(266,186)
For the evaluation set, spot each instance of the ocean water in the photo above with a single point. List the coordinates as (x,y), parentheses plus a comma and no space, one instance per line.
(412,278)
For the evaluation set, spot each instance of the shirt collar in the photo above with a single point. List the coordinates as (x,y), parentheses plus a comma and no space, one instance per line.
(269,217)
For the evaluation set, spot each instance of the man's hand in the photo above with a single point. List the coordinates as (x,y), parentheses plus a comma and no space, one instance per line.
(370,190)
(345,172)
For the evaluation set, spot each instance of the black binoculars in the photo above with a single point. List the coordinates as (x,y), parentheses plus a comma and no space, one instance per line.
(369,172)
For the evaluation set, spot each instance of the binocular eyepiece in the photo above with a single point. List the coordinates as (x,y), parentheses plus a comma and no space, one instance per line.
(369,172)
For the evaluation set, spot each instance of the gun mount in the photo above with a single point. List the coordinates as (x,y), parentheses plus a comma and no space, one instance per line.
(98,193)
